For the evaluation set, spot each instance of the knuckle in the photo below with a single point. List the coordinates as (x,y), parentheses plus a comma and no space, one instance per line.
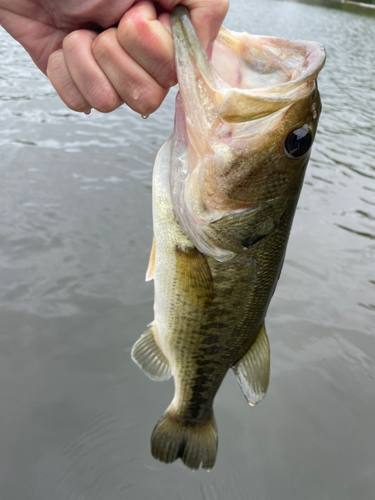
(78,38)
(103,43)
(72,40)
(131,18)
(129,28)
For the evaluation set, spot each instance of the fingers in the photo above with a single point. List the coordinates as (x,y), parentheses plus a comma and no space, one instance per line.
(143,36)
(78,78)
(136,87)
(207,18)
(133,63)
(93,84)
(58,73)
(138,58)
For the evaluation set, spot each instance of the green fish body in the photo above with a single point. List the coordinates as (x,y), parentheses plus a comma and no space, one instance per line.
(225,190)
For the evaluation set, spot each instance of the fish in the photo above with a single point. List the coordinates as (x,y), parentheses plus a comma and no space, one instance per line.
(225,190)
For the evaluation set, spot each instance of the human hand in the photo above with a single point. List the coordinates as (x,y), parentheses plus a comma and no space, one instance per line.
(132,63)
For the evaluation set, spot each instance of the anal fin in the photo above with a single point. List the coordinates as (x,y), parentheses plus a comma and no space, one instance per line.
(253,370)
(148,356)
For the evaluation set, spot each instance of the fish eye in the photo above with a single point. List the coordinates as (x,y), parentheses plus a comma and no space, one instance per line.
(298,142)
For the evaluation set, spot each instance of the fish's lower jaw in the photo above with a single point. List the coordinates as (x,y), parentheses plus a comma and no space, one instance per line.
(195,444)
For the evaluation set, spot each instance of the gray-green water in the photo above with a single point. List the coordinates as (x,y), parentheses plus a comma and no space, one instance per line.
(76,413)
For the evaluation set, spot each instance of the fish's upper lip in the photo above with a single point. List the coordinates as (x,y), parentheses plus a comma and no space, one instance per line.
(313,54)
(244,104)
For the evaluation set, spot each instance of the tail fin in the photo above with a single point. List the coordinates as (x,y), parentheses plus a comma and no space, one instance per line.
(194,444)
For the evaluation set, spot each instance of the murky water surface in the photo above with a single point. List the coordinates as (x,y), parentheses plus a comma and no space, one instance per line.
(75,233)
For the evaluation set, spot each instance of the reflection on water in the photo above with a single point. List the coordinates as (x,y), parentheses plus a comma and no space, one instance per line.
(75,234)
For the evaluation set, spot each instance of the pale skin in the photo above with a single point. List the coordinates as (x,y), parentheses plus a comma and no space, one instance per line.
(132,63)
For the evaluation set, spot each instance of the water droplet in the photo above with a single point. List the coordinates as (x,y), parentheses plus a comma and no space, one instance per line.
(136,94)
(313,107)
(314,115)
(145,116)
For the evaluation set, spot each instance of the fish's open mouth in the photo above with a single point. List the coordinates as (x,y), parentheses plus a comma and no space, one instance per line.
(264,73)
(249,76)
(256,62)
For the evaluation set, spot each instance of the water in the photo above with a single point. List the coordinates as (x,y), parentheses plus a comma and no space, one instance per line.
(75,233)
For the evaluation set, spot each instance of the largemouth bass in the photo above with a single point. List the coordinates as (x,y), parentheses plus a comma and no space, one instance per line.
(225,190)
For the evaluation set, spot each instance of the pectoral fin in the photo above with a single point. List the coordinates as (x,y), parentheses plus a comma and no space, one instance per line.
(194,278)
(148,356)
(253,370)
(151,263)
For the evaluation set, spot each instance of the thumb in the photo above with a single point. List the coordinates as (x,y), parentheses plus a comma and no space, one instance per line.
(206,16)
